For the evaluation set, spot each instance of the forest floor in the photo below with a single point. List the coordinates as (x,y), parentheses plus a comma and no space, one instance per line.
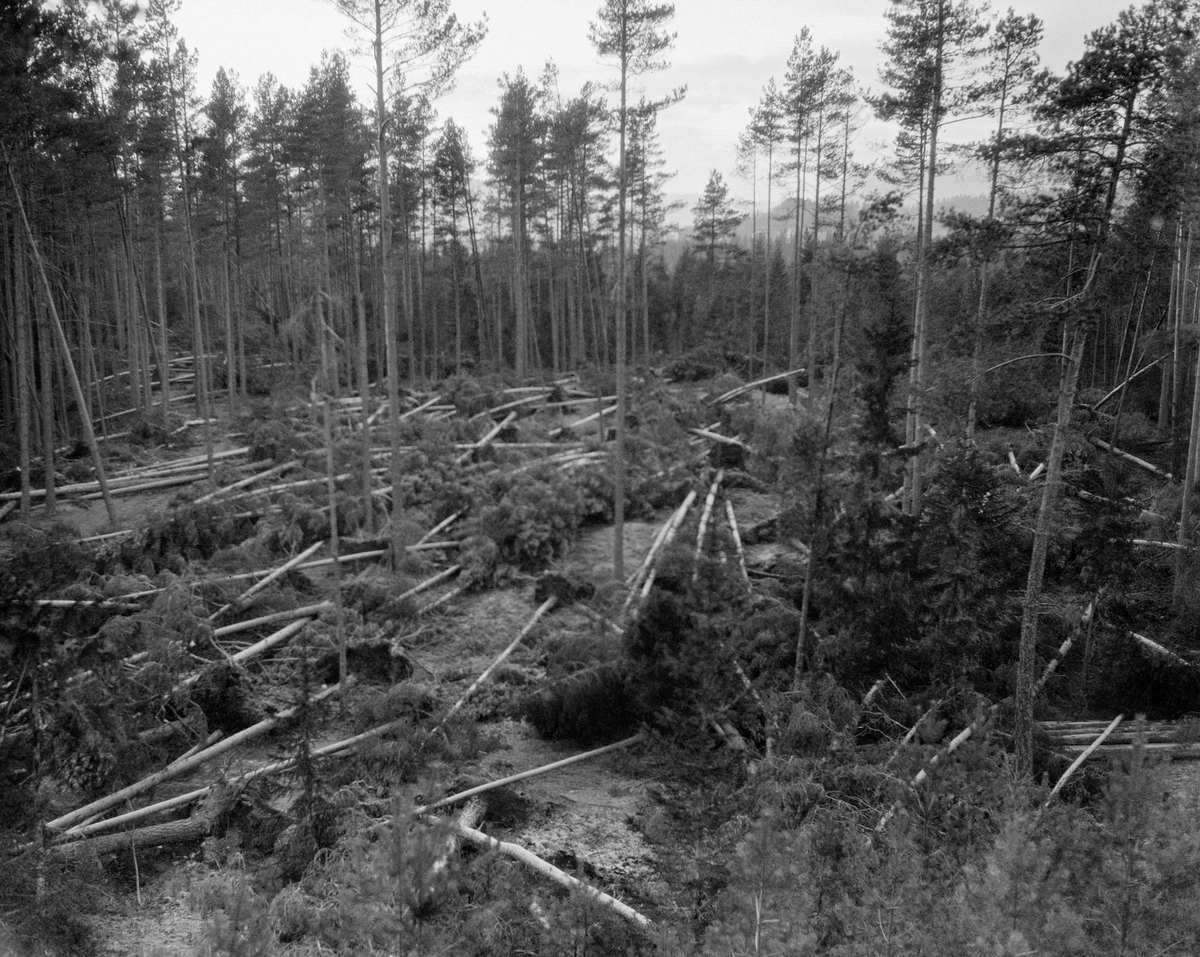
(621,821)
(589,815)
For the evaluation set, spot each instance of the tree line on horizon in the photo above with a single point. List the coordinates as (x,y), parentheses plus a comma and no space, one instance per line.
(158,220)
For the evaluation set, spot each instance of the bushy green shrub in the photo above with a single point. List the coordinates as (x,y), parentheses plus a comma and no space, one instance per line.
(532,518)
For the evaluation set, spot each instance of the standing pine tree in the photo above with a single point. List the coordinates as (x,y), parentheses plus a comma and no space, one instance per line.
(925,40)
(632,31)
(428,44)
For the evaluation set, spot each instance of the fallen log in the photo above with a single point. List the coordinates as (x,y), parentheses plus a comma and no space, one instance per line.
(181,767)
(958,741)
(277,573)
(634,579)
(487,439)
(441,526)
(256,649)
(1156,649)
(199,746)
(278,469)
(201,824)
(676,524)
(180,800)
(514,404)
(750,386)
(439,601)
(430,582)
(1084,621)
(307,611)
(1132,459)
(546,606)
(562,430)
(420,408)
(912,733)
(147,486)
(737,541)
(85,602)
(723,439)
(661,540)
(550,872)
(705,515)
(534,772)
(284,486)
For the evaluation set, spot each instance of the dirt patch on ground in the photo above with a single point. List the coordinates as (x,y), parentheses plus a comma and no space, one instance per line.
(164,924)
(581,813)
(91,517)
(591,556)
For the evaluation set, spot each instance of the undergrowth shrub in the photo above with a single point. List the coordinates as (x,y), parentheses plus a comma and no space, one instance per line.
(470,395)
(189,532)
(682,647)
(586,695)
(276,438)
(532,517)
(35,562)
(45,903)
(1015,396)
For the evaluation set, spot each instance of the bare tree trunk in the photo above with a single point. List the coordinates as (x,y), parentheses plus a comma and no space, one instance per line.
(364,387)
(1185,509)
(818,531)
(1178,350)
(1027,664)
(477,271)
(1169,368)
(230,354)
(619,450)
(24,371)
(46,375)
(390,331)
(80,400)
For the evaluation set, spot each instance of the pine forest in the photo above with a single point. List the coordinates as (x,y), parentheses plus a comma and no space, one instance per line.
(420,543)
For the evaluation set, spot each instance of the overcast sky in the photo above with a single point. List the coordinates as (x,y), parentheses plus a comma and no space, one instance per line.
(724,53)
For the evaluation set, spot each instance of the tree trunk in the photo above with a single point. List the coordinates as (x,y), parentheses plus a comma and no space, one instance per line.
(391,333)
(619,450)
(230,353)
(24,371)
(80,400)
(1027,664)
(46,376)
(921,311)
